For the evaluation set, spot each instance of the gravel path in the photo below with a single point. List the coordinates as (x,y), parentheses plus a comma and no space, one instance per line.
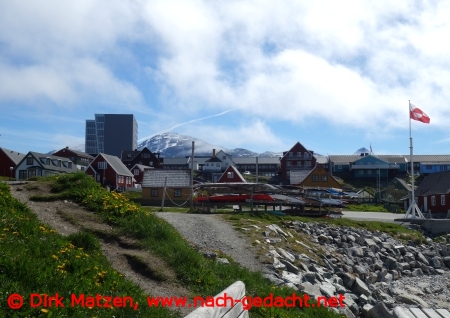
(211,233)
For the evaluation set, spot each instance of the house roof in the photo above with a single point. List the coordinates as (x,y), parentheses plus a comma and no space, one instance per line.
(78,153)
(128,155)
(155,178)
(175,161)
(435,183)
(235,171)
(14,156)
(40,157)
(403,183)
(298,143)
(116,164)
(140,167)
(213,159)
(252,160)
(298,176)
(346,159)
(430,158)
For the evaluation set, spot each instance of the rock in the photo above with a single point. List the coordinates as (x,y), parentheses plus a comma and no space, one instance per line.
(286,255)
(277,264)
(273,279)
(436,262)
(351,304)
(416,272)
(361,288)
(327,289)
(223,260)
(291,278)
(380,310)
(422,259)
(400,312)
(348,280)
(290,267)
(312,290)
(365,310)
(346,312)
(411,300)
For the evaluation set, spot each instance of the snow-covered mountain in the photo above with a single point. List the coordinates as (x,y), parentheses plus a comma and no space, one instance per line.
(171,145)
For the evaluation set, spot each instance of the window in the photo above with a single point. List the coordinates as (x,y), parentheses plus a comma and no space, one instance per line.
(101,165)
(315,178)
(299,163)
(299,154)
(288,163)
(428,167)
(145,155)
(369,171)
(151,163)
(361,172)
(155,193)
(177,192)
(443,168)
(324,178)
(128,180)
(136,172)
(433,200)
(120,179)
(22,174)
(230,175)
(217,164)
(30,161)
(308,164)
(442,199)
(224,157)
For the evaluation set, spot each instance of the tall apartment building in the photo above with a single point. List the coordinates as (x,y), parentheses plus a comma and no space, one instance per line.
(111,134)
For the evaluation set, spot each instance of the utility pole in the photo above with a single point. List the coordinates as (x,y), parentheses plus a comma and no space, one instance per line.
(192,179)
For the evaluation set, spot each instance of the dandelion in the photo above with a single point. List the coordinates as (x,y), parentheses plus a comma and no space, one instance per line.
(15,233)
(44,310)
(54,256)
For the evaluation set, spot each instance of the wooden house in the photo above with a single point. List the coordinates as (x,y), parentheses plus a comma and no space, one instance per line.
(433,193)
(110,171)
(232,174)
(218,162)
(141,157)
(79,158)
(174,185)
(138,172)
(298,158)
(8,162)
(318,177)
(35,164)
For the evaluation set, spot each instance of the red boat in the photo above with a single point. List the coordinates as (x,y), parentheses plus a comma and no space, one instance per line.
(235,198)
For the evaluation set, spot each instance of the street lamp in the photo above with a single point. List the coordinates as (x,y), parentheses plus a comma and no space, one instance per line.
(11,168)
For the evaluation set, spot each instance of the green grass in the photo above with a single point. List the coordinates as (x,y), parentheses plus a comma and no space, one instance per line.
(365,208)
(202,276)
(34,259)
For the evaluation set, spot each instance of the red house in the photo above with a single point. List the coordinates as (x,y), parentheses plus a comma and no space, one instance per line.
(433,193)
(231,175)
(8,161)
(138,172)
(79,158)
(110,171)
(297,158)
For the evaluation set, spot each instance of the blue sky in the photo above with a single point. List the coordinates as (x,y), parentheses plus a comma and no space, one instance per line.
(261,75)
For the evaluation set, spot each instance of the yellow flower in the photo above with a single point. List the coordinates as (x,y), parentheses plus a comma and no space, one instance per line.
(15,233)
(54,256)
(44,310)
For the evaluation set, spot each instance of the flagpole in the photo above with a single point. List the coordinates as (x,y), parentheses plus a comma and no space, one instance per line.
(413,206)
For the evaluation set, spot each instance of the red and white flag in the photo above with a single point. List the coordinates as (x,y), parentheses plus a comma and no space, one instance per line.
(417,114)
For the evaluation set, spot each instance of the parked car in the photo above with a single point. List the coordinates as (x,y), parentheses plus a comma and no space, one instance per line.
(247,172)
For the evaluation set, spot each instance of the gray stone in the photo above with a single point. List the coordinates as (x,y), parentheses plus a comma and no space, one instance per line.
(351,304)
(286,255)
(416,272)
(290,267)
(348,280)
(411,300)
(277,264)
(361,288)
(346,312)
(365,310)
(327,289)
(223,261)
(400,312)
(291,278)
(273,279)
(422,258)
(312,290)
(362,299)
(436,262)
(380,311)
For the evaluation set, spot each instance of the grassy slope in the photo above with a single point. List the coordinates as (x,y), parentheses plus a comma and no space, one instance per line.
(203,277)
